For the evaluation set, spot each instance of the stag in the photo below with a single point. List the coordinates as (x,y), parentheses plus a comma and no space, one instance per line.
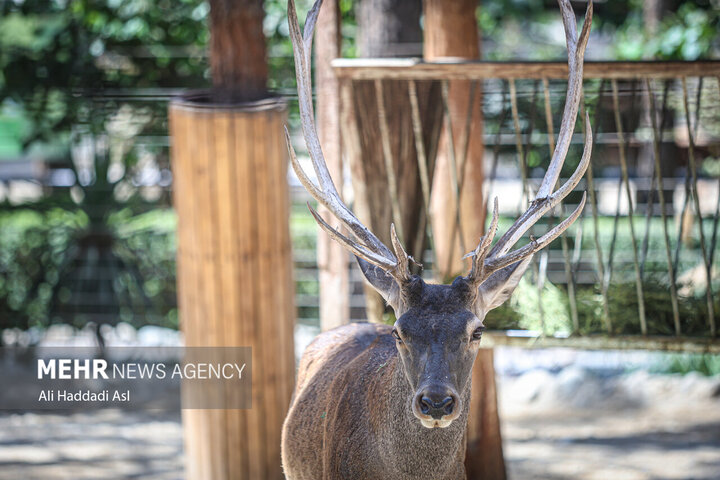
(390,402)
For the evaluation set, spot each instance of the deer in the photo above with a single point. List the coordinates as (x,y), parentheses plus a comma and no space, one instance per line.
(375,401)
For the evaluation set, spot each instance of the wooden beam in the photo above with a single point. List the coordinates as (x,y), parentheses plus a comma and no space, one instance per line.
(604,342)
(456,69)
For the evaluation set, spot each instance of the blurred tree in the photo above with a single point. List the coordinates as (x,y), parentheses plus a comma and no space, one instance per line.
(55,55)
(72,68)
(237,50)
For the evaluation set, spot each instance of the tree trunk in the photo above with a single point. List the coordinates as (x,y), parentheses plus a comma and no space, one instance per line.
(390,28)
(332,258)
(237,51)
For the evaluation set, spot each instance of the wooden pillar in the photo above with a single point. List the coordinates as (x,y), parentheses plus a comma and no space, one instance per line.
(484,456)
(331,257)
(235,274)
(451,31)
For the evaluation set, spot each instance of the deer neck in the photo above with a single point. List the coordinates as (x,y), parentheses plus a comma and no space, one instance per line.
(410,448)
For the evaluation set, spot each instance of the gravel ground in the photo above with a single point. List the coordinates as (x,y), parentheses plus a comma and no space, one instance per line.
(565,416)
(104,444)
(578,425)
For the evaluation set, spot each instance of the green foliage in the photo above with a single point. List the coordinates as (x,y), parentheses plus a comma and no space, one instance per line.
(505,317)
(623,308)
(35,250)
(32,246)
(682,363)
(687,32)
(522,29)
(523,310)
(55,54)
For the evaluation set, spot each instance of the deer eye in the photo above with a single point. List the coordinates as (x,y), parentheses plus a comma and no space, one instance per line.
(477,334)
(396,335)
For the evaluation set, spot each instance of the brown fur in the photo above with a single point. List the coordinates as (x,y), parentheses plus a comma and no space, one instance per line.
(352,412)
(350,417)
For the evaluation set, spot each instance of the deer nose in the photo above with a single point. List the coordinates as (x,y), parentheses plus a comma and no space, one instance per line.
(436,404)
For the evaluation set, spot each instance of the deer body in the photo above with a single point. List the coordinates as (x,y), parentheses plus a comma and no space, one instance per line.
(390,402)
(329,432)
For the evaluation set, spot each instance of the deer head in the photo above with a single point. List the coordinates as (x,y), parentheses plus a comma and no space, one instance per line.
(439,327)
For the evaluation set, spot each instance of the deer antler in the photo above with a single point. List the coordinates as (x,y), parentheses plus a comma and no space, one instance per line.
(362,241)
(486,261)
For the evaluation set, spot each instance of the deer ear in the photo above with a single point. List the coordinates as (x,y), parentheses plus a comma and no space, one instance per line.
(494,291)
(381,281)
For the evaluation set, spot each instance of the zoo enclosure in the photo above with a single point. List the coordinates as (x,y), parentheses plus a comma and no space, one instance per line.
(653,181)
(507,150)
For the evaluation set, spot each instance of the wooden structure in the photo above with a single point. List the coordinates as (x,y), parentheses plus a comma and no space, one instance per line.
(234,257)
(234,273)
(416,69)
(604,81)
(457,207)
(381,195)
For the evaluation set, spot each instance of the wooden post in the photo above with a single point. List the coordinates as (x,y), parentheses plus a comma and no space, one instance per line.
(451,31)
(235,274)
(484,456)
(332,258)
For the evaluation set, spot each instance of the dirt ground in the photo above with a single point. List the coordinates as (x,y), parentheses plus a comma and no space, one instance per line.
(584,426)
(644,445)
(564,422)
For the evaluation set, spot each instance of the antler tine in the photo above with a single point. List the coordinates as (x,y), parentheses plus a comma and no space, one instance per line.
(302,48)
(546,199)
(480,253)
(367,246)
(540,206)
(496,263)
(403,263)
(354,247)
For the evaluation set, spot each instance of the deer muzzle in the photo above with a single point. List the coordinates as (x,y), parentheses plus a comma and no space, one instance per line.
(436,406)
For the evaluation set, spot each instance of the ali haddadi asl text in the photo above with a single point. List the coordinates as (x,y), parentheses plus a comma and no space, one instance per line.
(83,396)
